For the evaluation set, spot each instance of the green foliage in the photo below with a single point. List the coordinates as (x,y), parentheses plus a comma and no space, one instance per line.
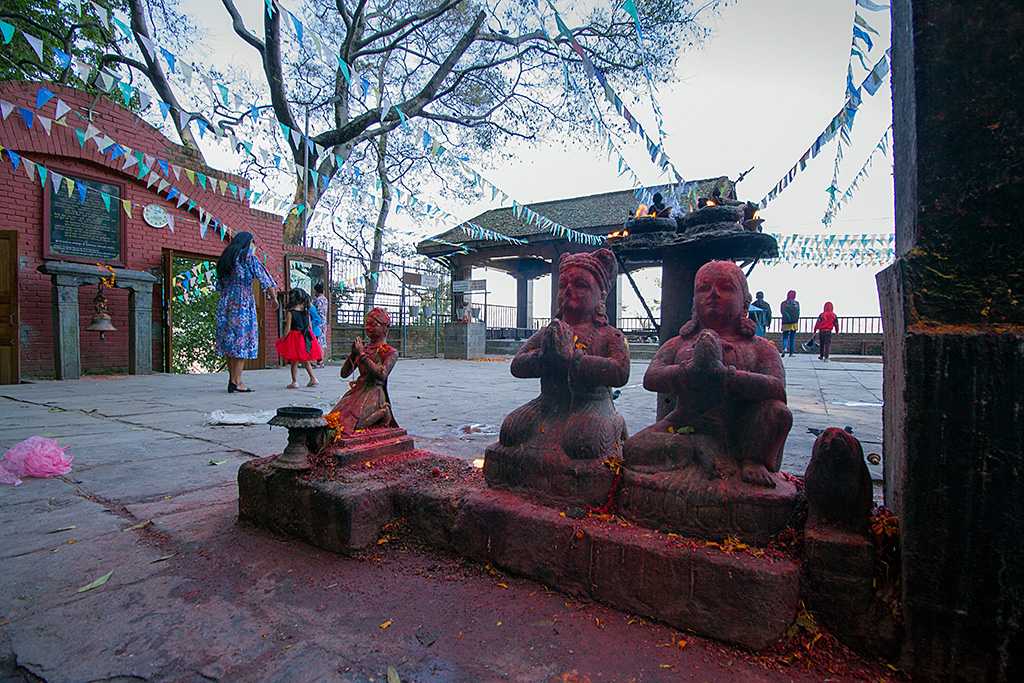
(59,26)
(195,322)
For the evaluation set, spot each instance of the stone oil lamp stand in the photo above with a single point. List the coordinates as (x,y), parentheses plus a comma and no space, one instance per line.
(305,433)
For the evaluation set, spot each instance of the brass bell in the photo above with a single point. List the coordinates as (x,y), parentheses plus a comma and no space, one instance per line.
(101,320)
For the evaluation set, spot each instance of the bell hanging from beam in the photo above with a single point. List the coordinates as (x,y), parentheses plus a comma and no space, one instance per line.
(101,319)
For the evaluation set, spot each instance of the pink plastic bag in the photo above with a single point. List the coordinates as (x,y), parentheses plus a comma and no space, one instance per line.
(36,457)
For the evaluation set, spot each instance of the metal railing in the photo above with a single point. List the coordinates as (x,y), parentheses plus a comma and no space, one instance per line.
(504,318)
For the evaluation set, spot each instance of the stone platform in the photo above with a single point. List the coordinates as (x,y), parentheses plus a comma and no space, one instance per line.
(737,597)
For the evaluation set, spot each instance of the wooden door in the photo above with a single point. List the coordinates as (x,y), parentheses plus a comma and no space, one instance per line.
(10,350)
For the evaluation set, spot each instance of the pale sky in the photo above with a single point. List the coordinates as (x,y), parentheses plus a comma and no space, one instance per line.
(756,93)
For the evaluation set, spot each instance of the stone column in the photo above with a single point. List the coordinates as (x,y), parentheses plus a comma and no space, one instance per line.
(677,273)
(554,285)
(524,302)
(954,337)
(67,356)
(459,272)
(140,329)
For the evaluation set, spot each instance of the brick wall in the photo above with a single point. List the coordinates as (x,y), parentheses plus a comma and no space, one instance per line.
(22,210)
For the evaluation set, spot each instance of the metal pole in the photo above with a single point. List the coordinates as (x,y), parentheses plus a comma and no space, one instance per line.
(636,289)
(405,350)
(437,313)
(305,179)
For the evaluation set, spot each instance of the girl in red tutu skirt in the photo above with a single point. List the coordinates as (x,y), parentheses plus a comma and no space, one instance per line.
(298,344)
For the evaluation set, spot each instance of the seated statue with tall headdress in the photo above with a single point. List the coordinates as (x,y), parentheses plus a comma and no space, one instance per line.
(555,445)
(731,415)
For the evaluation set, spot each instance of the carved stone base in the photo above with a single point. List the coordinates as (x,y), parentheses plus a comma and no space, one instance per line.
(371,444)
(686,502)
(548,476)
(840,573)
(734,597)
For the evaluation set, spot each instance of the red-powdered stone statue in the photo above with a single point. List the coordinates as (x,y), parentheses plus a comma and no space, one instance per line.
(707,468)
(366,404)
(730,385)
(555,445)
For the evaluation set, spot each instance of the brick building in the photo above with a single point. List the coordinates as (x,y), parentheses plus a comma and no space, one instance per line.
(141,169)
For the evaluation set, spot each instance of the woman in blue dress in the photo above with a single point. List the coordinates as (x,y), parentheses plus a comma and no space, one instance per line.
(237,327)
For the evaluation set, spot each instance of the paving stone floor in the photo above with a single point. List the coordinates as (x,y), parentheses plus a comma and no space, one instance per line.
(224,607)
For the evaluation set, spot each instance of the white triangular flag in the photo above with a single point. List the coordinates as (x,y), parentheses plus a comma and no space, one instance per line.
(62,109)
(102,13)
(36,43)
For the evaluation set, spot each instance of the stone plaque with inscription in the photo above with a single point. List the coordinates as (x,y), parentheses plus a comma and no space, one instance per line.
(86,225)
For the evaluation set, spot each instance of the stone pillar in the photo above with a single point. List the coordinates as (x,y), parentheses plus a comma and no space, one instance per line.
(954,337)
(66,352)
(554,286)
(140,329)
(459,272)
(524,302)
(677,273)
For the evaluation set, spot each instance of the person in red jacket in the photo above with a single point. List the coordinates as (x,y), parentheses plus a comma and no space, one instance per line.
(827,323)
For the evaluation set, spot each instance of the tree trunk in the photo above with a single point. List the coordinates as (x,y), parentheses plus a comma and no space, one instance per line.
(378,231)
(295,224)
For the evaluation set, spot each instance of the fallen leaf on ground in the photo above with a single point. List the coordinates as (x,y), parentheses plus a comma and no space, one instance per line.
(97,583)
(161,559)
(63,528)
(393,675)
(138,526)
(386,624)
(217,462)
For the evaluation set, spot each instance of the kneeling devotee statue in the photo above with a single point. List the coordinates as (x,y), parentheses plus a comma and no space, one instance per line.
(555,446)
(721,447)
(366,405)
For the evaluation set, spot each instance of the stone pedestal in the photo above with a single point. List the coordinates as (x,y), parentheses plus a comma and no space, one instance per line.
(67,278)
(686,502)
(734,597)
(543,472)
(840,571)
(370,445)
(464,340)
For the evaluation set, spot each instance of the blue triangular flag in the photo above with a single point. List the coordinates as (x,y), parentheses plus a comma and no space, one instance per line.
(42,97)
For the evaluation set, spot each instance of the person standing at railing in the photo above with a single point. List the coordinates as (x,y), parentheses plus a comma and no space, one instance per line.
(826,324)
(790,311)
(761,313)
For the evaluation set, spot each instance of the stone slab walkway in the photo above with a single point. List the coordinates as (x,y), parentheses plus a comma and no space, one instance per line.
(194,596)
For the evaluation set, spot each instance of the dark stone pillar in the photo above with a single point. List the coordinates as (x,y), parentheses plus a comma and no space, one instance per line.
(140,329)
(67,356)
(954,337)
(554,286)
(677,273)
(524,302)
